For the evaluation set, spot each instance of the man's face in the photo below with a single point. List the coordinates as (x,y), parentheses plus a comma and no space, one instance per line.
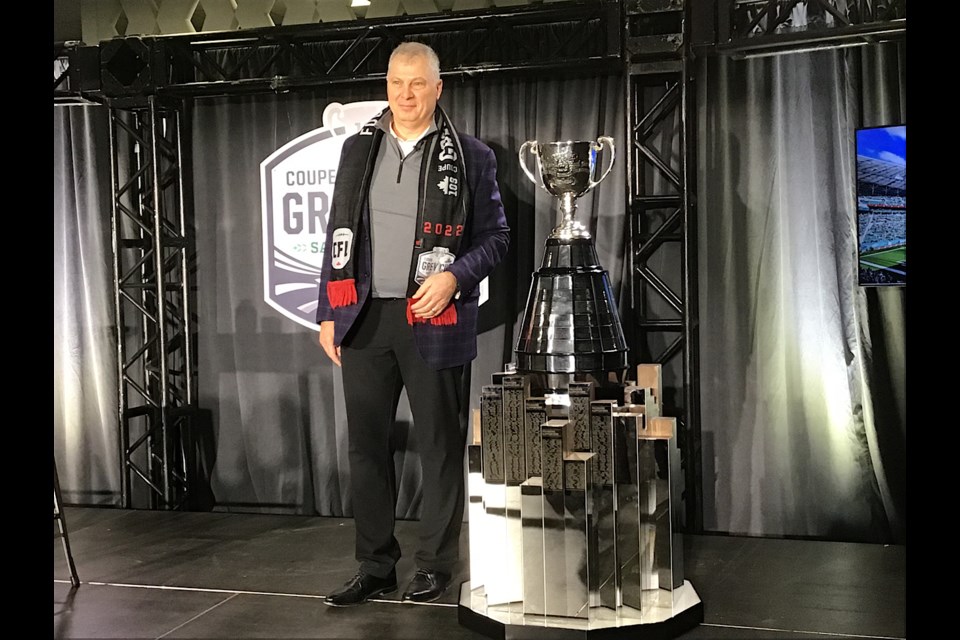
(412,91)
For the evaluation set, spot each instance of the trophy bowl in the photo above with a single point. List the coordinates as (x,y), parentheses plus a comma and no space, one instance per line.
(566,167)
(566,170)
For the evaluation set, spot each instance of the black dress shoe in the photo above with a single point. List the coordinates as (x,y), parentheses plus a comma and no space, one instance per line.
(360,588)
(427,585)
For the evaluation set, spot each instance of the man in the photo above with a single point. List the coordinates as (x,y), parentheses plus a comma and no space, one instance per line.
(416,224)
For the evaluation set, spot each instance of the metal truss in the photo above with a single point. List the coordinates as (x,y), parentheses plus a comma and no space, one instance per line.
(770,27)
(661,170)
(76,75)
(153,250)
(577,37)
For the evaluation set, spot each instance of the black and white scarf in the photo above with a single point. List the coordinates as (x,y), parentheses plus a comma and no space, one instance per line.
(440,220)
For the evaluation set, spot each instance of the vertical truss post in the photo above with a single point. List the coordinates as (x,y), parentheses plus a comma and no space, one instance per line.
(661,168)
(693,470)
(153,252)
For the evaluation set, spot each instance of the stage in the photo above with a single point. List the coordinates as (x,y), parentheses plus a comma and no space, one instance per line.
(163,574)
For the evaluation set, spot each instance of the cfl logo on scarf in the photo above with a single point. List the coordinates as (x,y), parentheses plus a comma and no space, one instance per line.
(341,247)
(296,188)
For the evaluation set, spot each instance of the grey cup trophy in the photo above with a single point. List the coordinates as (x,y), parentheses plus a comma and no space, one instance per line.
(571,323)
(566,171)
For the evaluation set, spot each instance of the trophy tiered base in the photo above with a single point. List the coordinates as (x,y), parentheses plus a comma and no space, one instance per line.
(660,621)
(571,512)
(571,499)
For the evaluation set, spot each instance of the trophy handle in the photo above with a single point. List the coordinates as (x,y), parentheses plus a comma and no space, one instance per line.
(523,163)
(605,140)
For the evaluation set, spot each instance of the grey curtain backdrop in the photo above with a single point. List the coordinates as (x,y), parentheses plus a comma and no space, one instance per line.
(802,371)
(85,434)
(276,399)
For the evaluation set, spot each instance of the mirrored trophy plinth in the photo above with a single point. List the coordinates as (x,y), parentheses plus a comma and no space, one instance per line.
(572,513)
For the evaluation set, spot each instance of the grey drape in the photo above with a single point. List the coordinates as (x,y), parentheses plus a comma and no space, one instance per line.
(802,371)
(84,344)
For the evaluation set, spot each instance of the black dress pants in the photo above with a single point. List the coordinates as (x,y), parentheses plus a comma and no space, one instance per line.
(379,358)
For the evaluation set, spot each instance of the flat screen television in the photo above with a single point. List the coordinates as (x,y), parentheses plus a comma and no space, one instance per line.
(882,205)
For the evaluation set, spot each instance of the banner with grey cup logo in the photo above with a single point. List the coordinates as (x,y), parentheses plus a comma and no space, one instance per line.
(296,187)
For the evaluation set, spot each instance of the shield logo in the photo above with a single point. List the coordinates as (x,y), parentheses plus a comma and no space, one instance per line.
(296,187)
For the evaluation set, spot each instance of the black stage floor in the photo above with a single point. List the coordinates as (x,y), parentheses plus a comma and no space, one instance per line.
(159,574)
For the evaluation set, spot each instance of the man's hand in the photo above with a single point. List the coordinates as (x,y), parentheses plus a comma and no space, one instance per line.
(434,295)
(326,341)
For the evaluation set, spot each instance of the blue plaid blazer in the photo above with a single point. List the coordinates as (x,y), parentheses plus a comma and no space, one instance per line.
(485,241)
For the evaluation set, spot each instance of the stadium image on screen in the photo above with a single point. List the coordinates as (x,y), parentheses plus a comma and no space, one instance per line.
(882,205)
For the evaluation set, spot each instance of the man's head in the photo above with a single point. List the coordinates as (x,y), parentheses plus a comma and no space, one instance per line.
(413,86)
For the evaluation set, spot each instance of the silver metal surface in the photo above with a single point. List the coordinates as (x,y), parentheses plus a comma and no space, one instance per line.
(676,511)
(491,430)
(512,583)
(663,606)
(555,567)
(604,565)
(649,490)
(514,433)
(568,527)
(602,436)
(555,436)
(479,540)
(570,322)
(581,395)
(566,170)
(658,468)
(568,535)
(580,534)
(643,398)
(535,416)
(503,582)
(531,508)
(497,586)
(627,508)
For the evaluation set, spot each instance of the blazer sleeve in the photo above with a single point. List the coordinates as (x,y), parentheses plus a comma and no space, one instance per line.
(489,233)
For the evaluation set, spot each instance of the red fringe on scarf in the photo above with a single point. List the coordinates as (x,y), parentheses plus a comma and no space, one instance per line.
(341,293)
(447,317)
